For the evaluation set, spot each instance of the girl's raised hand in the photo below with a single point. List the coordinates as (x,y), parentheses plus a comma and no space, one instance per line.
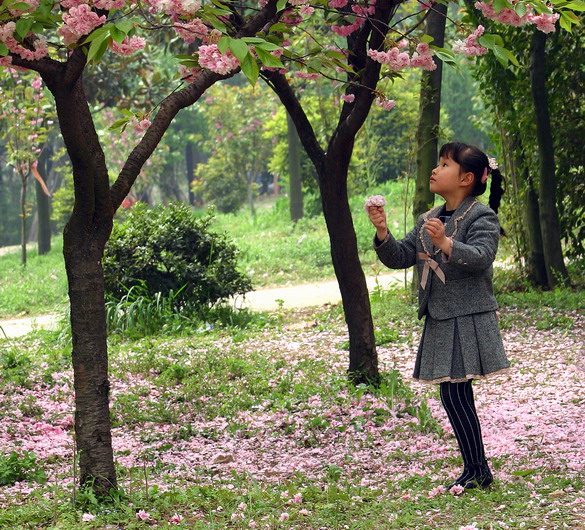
(377,216)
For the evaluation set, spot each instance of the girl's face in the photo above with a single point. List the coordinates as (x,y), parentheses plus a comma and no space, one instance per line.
(446,178)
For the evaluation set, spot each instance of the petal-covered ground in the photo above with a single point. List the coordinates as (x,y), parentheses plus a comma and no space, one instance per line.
(276,405)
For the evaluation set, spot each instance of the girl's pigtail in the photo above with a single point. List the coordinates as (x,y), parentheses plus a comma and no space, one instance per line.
(496,189)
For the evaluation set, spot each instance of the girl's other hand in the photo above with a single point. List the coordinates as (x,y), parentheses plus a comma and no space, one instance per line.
(436,230)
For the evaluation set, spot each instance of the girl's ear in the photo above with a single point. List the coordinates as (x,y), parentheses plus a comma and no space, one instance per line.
(466,179)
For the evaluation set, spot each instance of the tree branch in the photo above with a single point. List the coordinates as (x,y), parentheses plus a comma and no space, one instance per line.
(284,91)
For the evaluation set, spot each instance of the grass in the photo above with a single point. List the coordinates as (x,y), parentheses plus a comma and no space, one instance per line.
(280,392)
(39,288)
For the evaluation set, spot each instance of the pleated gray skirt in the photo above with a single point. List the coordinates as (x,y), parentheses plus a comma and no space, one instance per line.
(460,348)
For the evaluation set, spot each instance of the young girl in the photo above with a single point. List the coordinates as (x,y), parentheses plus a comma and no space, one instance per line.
(454,246)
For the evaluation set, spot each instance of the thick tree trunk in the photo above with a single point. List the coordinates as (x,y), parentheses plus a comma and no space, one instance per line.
(43,208)
(294,171)
(427,135)
(363,358)
(549,218)
(535,259)
(83,254)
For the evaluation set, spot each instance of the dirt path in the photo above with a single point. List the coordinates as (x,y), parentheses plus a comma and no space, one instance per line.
(303,295)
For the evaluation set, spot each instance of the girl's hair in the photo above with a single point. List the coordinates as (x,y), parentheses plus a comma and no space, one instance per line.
(470,158)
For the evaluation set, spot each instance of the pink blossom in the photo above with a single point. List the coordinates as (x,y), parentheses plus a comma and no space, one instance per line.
(176,519)
(86,517)
(284,516)
(311,76)
(469,46)
(194,29)
(393,58)
(189,74)
(128,46)
(337,3)
(37,83)
(544,22)
(221,63)
(297,498)
(79,21)
(374,201)
(348,98)
(457,489)
(142,515)
(307,10)
(344,31)
(436,491)
(385,104)
(110,5)
(468,527)
(242,506)
(426,4)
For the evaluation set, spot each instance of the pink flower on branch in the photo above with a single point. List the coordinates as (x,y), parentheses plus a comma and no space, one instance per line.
(194,29)
(337,3)
(221,63)
(469,46)
(385,104)
(78,22)
(128,46)
(393,58)
(544,22)
(348,98)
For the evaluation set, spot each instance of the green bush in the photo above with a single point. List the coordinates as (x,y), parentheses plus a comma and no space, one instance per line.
(169,250)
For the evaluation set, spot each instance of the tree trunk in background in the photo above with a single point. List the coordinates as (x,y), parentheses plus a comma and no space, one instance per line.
(43,206)
(427,135)
(549,219)
(190,164)
(535,258)
(295,178)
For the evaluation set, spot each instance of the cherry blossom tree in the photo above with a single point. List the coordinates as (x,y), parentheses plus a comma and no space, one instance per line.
(59,39)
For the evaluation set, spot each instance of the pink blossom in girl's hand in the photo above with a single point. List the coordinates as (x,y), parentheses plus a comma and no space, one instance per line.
(142,515)
(385,104)
(86,517)
(128,46)
(375,201)
(221,63)
(348,98)
(457,489)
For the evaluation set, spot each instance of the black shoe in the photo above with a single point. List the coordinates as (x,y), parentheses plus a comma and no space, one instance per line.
(473,476)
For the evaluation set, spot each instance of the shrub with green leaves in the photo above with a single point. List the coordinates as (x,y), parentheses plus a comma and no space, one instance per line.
(168,249)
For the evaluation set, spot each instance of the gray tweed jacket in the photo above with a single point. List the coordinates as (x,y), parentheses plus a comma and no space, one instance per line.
(475,231)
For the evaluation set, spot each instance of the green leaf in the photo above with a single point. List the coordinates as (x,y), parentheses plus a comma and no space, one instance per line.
(253,40)
(98,34)
(278,27)
(23,26)
(524,472)
(487,41)
(500,4)
(223,44)
(118,123)
(280,5)
(512,58)
(565,22)
(501,55)
(572,16)
(520,9)
(250,69)
(239,48)
(445,57)
(576,6)
(335,55)
(3,49)
(267,59)
(427,38)
(98,48)
(268,46)
(117,34)
(20,6)
(124,25)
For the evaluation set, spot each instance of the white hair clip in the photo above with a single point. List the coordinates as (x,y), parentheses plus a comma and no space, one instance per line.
(492,163)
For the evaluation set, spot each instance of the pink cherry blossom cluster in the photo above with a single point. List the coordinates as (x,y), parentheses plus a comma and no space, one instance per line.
(397,60)
(194,29)
(79,21)
(175,8)
(7,37)
(374,201)
(212,59)
(311,76)
(109,5)
(385,104)
(505,16)
(348,98)
(128,46)
(362,11)
(469,47)
(544,22)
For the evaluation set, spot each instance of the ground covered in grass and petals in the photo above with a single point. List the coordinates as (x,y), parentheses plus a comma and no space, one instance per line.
(232,428)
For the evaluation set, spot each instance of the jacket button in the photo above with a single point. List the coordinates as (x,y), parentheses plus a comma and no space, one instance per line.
(459,260)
